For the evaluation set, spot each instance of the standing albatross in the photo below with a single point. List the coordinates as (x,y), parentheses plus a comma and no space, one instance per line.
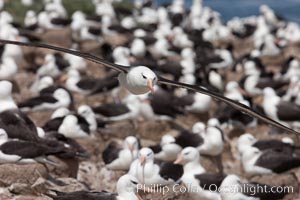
(141,79)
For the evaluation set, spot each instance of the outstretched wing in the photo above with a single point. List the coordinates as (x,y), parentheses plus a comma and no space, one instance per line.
(87,56)
(228,101)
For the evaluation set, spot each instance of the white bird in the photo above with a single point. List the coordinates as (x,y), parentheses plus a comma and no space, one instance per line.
(21,151)
(86,35)
(13,52)
(226,57)
(78,21)
(181,40)
(59,98)
(87,113)
(293,69)
(190,158)
(27,2)
(149,173)
(195,177)
(75,62)
(60,112)
(128,23)
(5,17)
(129,109)
(6,100)
(167,150)
(44,21)
(242,190)
(41,83)
(70,127)
(56,9)
(30,19)
(282,111)
(233,181)
(213,139)
(105,8)
(49,68)
(256,162)
(293,92)
(120,157)
(244,142)
(138,80)
(148,16)
(216,80)
(138,48)
(233,91)
(201,103)
(196,9)
(73,78)
(8,68)
(269,47)
(121,56)
(248,140)
(161,48)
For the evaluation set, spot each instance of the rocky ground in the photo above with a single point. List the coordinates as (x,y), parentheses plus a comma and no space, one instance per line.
(26,182)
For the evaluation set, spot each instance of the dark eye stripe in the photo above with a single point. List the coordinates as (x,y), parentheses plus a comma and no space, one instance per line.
(135,183)
(149,154)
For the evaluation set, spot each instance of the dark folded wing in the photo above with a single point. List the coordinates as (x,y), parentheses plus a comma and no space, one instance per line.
(111,152)
(28,149)
(53,124)
(18,125)
(169,170)
(35,101)
(288,111)
(210,181)
(111,109)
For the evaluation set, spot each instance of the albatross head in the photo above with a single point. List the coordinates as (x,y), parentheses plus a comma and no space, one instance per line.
(127,187)
(131,143)
(141,80)
(188,154)
(245,141)
(198,127)
(249,154)
(145,155)
(85,111)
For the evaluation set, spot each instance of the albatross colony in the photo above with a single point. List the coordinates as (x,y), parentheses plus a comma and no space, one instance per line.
(131,98)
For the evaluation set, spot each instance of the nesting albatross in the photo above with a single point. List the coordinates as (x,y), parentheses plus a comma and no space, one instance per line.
(141,79)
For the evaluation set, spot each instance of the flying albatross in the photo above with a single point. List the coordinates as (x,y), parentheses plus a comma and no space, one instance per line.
(141,79)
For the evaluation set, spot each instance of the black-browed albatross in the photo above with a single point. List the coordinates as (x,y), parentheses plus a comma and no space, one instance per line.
(144,83)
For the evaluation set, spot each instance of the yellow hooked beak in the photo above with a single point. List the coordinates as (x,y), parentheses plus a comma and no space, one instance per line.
(131,147)
(179,159)
(143,160)
(63,78)
(150,85)
(242,91)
